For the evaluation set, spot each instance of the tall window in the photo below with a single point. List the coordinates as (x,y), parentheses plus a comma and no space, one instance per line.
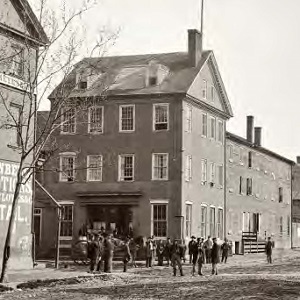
(17,62)
(241,189)
(68,120)
(204,125)
(250,159)
(204,89)
(126,167)
(127,118)
(95,119)
(203,170)
(16,124)
(220,175)
(159,220)
(288,226)
(160,163)
(94,168)
(280,194)
(203,221)
(280,226)
(212,128)
(220,131)
(188,167)
(212,172)
(249,186)
(212,221)
(161,116)
(220,223)
(66,229)
(67,168)
(189,118)
(188,220)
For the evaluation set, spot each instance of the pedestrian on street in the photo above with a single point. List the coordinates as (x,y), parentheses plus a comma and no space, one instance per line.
(108,254)
(268,249)
(201,256)
(153,249)
(160,253)
(93,250)
(149,252)
(126,255)
(193,249)
(225,249)
(168,251)
(177,253)
(133,251)
(208,246)
(215,257)
(101,252)
(191,243)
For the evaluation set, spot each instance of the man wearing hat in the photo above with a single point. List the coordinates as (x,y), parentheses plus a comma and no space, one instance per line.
(215,257)
(191,247)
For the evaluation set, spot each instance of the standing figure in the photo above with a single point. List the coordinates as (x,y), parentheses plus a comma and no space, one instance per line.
(133,251)
(108,254)
(153,249)
(201,256)
(268,249)
(190,246)
(193,249)
(177,253)
(126,255)
(101,252)
(160,253)
(225,249)
(93,250)
(215,257)
(168,251)
(149,252)
(207,247)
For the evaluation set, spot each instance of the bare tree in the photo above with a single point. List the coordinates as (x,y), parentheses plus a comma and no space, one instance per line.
(65,30)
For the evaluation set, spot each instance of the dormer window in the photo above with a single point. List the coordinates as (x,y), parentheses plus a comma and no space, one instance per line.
(152,81)
(82,85)
(155,73)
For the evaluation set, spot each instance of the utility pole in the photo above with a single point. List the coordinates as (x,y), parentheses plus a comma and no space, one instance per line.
(202,14)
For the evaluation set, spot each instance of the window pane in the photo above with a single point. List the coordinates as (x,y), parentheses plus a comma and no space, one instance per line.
(161,117)
(95,117)
(127,118)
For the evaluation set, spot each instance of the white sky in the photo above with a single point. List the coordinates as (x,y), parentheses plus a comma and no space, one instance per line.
(256,44)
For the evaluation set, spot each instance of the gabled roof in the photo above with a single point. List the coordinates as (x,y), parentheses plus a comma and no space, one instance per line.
(30,20)
(245,142)
(178,80)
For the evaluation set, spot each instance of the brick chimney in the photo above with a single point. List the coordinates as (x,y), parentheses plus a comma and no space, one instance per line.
(250,127)
(194,46)
(257,136)
(298,160)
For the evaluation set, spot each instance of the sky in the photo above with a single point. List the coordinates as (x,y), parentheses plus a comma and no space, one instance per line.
(256,44)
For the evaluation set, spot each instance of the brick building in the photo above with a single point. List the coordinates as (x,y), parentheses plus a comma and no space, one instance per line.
(147,155)
(20,37)
(258,200)
(296,205)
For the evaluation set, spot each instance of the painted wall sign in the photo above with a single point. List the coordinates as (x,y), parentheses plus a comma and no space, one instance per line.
(21,238)
(14,82)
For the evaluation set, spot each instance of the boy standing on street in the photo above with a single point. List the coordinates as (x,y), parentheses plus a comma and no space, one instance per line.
(268,249)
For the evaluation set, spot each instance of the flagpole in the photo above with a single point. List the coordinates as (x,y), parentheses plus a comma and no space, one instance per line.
(202,8)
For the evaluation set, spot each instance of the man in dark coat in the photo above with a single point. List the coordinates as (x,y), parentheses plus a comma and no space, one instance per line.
(215,257)
(207,247)
(225,249)
(191,245)
(268,249)
(93,250)
(126,254)
(201,256)
(149,252)
(160,252)
(133,246)
(193,250)
(167,251)
(108,254)
(101,252)
(177,253)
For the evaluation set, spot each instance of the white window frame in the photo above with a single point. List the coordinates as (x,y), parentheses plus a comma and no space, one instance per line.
(153,166)
(220,223)
(204,133)
(154,116)
(120,118)
(203,171)
(220,137)
(164,202)
(188,168)
(89,169)
(211,118)
(212,234)
(204,89)
(61,157)
(212,172)
(67,237)
(63,122)
(203,227)
(188,221)
(89,120)
(121,176)
(189,118)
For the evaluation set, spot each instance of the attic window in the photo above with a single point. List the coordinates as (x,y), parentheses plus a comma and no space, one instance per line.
(152,81)
(82,85)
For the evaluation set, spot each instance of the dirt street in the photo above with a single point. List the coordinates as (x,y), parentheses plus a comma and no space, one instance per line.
(255,280)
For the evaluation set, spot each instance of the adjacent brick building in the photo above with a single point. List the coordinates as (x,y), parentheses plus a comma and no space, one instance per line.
(148,153)
(20,37)
(258,200)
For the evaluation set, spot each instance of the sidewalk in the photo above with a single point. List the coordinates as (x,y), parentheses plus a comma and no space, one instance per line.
(41,273)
